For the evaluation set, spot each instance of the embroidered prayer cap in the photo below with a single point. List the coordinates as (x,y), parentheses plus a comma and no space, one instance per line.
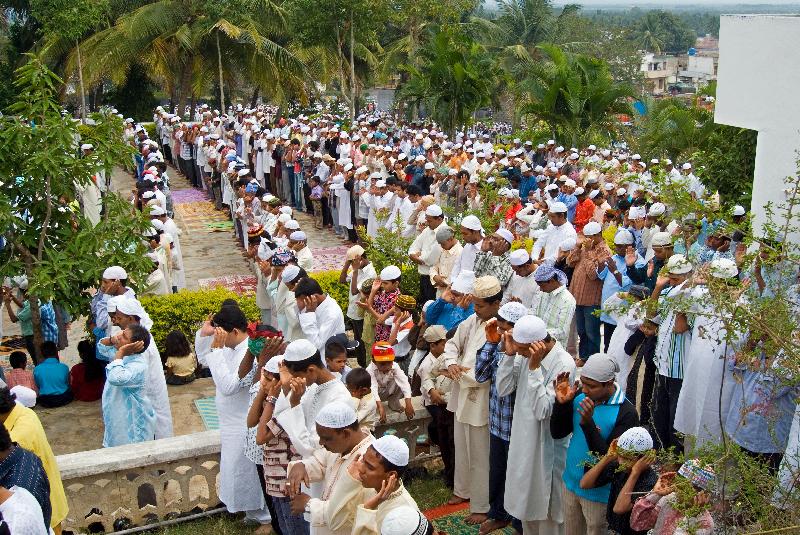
(723,268)
(434,333)
(292,224)
(635,439)
(699,476)
(354,252)
(471,222)
(290,273)
(382,352)
(519,257)
(114,273)
(568,244)
(557,207)
(366,286)
(254,232)
(393,449)
(298,235)
(591,228)
(434,210)
(656,209)
(600,367)
(390,273)
(272,365)
(282,257)
(336,415)
(404,520)
(486,286)
(464,283)
(678,265)
(405,302)
(661,239)
(299,350)
(623,237)
(444,233)
(156,210)
(529,329)
(546,272)
(512,311)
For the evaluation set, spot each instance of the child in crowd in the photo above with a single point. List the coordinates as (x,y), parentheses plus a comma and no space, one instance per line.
(180,363)
(368,331)
(336,350)
(402,321)
(19,375)
(626,466)
(87,378)
(359,383)
(389,382)
(380,303)
(52,378)
(316,200)
(658,511)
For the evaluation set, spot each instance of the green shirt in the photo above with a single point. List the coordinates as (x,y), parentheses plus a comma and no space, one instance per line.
(24,317)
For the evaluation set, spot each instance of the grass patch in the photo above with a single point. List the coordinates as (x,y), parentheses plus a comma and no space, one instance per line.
(429,490)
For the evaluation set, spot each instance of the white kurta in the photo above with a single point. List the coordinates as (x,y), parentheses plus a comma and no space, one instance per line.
(376,203)
(521,288)
(156,391)
(343,205)
(305,259)
(178,275)
(323,323)
(285,310)
(369,521)
(535,460)
(239,487)
(627,323)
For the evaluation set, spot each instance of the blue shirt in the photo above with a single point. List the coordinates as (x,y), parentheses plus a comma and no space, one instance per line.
(501,408)
(611,286)
(51,376)
(447,314)
(572,204)
(526,184)
(127,412)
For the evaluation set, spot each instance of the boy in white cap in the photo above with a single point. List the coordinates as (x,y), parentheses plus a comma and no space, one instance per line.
(528,364)
(380,471)
(559,230)
(356,270)
(379,201)
(425,250)
(333,510)
(298,242)
(112,283)
(522,286)
(472,234)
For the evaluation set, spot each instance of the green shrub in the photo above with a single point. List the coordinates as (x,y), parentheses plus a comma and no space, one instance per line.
(187,309)
(151,131)
(390,248)
(329,281)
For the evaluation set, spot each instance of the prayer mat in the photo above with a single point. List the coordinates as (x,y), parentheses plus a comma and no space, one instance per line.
(208,412)
(450,519)
(329,258)
(219,226)
(198,216)
(241,284)
(180,196)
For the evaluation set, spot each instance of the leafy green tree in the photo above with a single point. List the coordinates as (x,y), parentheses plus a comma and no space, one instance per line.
(455,78)
(48,239)
(575,95)
(727,162)
(673,128)
(663,32)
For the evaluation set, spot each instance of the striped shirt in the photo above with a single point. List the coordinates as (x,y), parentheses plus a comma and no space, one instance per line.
(556,308)
(671,347)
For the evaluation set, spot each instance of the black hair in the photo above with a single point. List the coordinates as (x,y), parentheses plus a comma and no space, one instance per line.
(334,347)
(494,298)
(230,302)
(358,378)
(139,334)
(300,275)
(176,345)
(8,400)
(18,359)
(94,368)
(303,365)
(5,439)
(390,467)
(48,349)
(295,141)
(242,183)
(413,189)
(307,287)
(316,179)
(451,333)
(230,318)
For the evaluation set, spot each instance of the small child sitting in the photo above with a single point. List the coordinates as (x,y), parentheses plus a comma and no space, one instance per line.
(402,321)
(19,375)
(389,382)
(657,510)
(181,363)
(336,350)
(359,383)
(627,468)
(316,200)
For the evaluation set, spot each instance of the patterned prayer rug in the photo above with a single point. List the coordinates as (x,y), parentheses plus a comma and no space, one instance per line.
(450,519)
(202,217)
(180,196)
(241,284)
(329,258)
(208,412)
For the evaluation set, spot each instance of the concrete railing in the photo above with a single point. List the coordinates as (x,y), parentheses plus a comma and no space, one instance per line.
(115,489)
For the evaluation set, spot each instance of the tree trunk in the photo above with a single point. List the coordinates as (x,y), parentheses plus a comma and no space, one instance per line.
(352,73)
(36,321)
(254,99)
(342,84)
(80,82)
(221,83)
(192,104)
(184,89)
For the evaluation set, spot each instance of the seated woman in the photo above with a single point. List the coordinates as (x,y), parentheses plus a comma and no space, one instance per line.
(87,378)
(180,363)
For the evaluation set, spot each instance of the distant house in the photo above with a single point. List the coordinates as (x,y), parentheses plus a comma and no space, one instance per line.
(658,72)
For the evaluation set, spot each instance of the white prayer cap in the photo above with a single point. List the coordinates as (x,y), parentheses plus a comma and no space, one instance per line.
(551,141)
(569,182)
(591,228)
(419,158)
(284,218)
(362,169)
(636,439)
(654,161)
(636,157)
(114,273)
(600,367)
(298,235)
(512,311)
(289,273)
(429,166)
(574,156)
(452,172)
(148,195)
(656,209)
(434,210)
(687,165)
(559,149)
(621,191)
(592,147)
(480,155)
(348,166)
(464,282)
(505,234)
(336,415)
(156,210)
(678,265)
(519,257)
(579,191)
(158,225)
(551,187)
(538,169)
(292,224)
(738,210)
(558,207)
(393,449)
(404,520)
(608,186)
(637,212)
(132,307)
(354,252)
(623,237)
(87,146)
(24,395)
(471,222)
(243,172)
(661,239)
(540,146)
(594,193)
(285,210)
(568,244)
(529,329)
(299,350)
(380,184)
(723,268)
(272,365)
(390,273)
(402,156)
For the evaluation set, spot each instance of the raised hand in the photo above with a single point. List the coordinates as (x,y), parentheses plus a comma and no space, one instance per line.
(298,388)
(586,410)
(492,334)
(220,335)
(130,349)
(630,256)
(564,391)
(537,351)
(388,486)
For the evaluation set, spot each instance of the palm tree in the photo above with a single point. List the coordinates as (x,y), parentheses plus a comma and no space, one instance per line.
(575,95)
(675,128)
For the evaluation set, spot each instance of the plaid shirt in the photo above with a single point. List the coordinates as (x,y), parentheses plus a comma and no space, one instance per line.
(499,266)
(501,409)
(49,325)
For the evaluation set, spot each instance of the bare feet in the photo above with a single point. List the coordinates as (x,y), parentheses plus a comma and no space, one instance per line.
(490,525)
(455,500)
(476,518)
(264,529)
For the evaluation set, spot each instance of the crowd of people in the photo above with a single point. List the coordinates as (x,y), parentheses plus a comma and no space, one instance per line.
(554,373)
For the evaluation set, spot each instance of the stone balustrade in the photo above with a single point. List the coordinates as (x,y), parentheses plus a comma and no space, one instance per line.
(114,489)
